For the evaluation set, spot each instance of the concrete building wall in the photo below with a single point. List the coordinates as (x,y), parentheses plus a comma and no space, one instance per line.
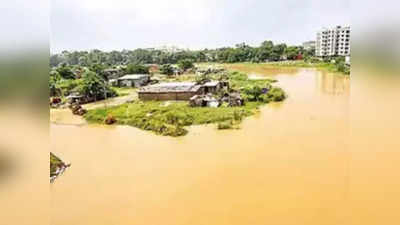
(333,42)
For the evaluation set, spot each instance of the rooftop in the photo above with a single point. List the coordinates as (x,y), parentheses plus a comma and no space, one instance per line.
(171,87)
(133,76)
(211,83)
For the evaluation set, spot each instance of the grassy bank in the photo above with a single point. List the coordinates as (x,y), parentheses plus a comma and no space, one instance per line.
(171,118)
(326,66)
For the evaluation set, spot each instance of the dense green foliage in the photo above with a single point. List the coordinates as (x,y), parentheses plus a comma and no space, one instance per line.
(90,84)
(65,72)
(136,69)
(167,69)
(267,51)
(185,64)
(93,85)
(170,119)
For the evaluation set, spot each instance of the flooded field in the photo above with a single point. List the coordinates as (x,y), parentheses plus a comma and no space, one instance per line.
(287,165)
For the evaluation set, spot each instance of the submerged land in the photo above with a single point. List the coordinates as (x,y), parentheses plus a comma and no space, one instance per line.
(169,118)
(108,88)
(296,149)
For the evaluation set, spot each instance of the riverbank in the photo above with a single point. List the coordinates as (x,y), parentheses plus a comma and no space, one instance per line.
(284,66)
(169,118)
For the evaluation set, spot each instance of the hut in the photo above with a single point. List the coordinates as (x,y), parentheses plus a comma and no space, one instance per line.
(133,80)
(177,90)
(170,91)
(113,73)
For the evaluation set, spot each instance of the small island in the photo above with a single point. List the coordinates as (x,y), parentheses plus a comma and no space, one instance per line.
(223,99)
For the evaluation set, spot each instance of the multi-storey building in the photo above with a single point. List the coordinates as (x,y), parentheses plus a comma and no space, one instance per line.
(333,42)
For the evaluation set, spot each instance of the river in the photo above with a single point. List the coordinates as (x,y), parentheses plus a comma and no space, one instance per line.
(288,164)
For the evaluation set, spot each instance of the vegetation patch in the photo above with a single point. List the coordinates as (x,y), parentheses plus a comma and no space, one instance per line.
(338,66)
(55,165)
(171,119)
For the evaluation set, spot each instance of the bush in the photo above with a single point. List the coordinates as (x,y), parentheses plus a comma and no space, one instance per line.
(225,125)
(185,64)
(276,94)
(166,69)
(137,69)
(65,72)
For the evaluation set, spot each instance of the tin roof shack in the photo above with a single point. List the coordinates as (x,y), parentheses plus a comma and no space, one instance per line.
(133,80)
(204,100)
(113,73)
(178,90)
(170,91)
(212,87)
(78,98)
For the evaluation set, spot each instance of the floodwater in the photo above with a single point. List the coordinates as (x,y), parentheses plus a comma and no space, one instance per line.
(287,165)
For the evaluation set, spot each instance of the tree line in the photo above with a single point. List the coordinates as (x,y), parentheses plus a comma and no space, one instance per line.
(267,51)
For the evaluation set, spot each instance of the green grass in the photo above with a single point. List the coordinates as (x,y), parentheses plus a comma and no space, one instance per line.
(330,67)
(122,91)
(171,119)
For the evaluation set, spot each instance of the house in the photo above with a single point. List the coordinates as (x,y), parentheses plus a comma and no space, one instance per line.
(113,73)
(212,86)
(178,91)
(133,80)
(78,98)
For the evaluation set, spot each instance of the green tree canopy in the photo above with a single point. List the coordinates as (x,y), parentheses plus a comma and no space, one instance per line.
(166,69)
(65,72)
(185,64)
(137,69)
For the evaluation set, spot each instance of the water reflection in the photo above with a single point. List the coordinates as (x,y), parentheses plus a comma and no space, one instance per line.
(332,84)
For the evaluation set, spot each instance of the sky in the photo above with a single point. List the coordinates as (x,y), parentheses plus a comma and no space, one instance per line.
(196,24)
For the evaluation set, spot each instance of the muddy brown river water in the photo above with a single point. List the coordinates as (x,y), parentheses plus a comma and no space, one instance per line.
(288,165)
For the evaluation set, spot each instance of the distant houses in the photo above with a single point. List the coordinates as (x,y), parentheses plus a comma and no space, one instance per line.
(131,80)
(178,91)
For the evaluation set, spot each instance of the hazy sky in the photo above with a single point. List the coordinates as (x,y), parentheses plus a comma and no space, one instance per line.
(129,24)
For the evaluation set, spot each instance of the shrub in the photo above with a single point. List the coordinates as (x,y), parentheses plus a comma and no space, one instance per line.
(166,69)
(65,72)
(137,69)
(185,64)
(110,119)
(225,125)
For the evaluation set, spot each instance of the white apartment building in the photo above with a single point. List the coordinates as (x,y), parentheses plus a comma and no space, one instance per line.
(333,42)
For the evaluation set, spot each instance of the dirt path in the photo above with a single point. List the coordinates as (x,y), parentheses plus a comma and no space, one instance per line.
(65,116)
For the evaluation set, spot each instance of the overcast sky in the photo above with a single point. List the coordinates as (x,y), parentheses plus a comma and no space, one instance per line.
(196,24)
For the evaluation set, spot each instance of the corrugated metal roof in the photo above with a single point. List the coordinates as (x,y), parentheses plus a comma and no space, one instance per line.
(171,87)
(133,76)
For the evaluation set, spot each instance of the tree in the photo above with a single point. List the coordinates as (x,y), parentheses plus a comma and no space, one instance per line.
(166,69)
(93,85)
(98,69)
(65,72)
(292,52)
(137,69)
(185,64)
(54,78)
